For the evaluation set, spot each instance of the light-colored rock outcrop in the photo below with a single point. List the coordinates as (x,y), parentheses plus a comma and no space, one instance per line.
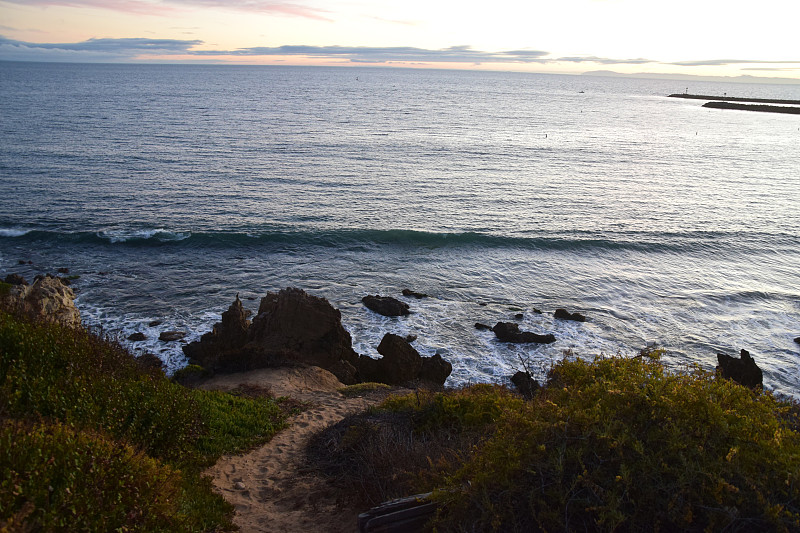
(48,299)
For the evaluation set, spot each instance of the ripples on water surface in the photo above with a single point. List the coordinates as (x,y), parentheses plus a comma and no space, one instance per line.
(494,193)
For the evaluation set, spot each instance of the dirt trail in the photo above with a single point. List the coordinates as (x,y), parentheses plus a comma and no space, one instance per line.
(270,488)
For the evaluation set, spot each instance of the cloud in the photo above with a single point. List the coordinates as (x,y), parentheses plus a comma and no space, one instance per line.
(604,60)
(725,62)
(405,54)
(92,50)
(161,49)
(169,7)
(773,69)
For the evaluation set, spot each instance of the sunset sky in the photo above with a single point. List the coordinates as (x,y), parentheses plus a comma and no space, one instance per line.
(572,36)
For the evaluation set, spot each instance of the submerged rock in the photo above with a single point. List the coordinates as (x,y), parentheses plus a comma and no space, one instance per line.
(413,294)
(15,279)
(510,332)
(563,314)
(136,337)
(386,305)
(480,326)
(743,370)
(171,336)
(48,299)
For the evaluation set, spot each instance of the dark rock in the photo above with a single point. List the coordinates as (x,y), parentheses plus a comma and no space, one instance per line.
(797,340)
(411,338)
(519,316)
(417,295)
(483,304)
(386,305)
(563,314)
(149,361)
(402,364)
(63,270)
(435,369)
(742,370)
(136,337)
(170,336)
(478,325)
(526,385)
(291,327)
(15,279)
(509,332)
(305,325)
(536,311)
(22,262)
(154,323)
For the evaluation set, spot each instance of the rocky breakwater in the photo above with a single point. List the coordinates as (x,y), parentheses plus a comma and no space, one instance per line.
(293,327)
(47,299)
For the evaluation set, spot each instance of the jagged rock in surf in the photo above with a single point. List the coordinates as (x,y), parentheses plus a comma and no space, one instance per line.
(386,305)
(291,327)
(510,332)
(563,314)
(742,370)
(401,364)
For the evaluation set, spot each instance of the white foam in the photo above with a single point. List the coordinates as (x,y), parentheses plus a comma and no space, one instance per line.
(13,232)
(161,234)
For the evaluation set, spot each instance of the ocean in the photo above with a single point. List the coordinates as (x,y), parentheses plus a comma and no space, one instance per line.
(168,189)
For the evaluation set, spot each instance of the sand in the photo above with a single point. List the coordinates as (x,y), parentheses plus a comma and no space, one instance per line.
(270,487)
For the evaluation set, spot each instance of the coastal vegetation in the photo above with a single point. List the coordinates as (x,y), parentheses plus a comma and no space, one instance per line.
(613,444)
(92,440)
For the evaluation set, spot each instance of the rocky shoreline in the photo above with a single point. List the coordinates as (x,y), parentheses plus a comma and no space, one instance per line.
(293,327)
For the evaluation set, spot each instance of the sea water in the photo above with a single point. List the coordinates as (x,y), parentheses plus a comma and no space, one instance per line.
(171,188)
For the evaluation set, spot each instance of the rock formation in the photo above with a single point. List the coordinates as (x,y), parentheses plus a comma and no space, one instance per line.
(563,314)
(386,305)
(291,326)
(48,299)
(526,385)
(294,327)
(402,364)
(510,332)
(743,370)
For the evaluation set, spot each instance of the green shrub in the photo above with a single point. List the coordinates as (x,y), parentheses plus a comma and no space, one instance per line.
(57,479)
(614,444)
(53,378)
(359,389)
(622,444)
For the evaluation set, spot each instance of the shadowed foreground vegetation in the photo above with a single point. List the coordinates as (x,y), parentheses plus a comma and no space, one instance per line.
(615,444)
(92,441)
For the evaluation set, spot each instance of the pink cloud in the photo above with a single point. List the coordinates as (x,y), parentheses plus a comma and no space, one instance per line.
(169,7)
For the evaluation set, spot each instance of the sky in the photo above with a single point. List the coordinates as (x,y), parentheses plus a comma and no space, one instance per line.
(694,37)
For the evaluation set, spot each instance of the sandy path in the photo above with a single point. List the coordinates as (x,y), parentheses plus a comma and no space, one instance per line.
(269,487)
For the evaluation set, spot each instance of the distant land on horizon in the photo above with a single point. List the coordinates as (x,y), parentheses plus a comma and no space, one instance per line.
(606,73)
(694,77)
